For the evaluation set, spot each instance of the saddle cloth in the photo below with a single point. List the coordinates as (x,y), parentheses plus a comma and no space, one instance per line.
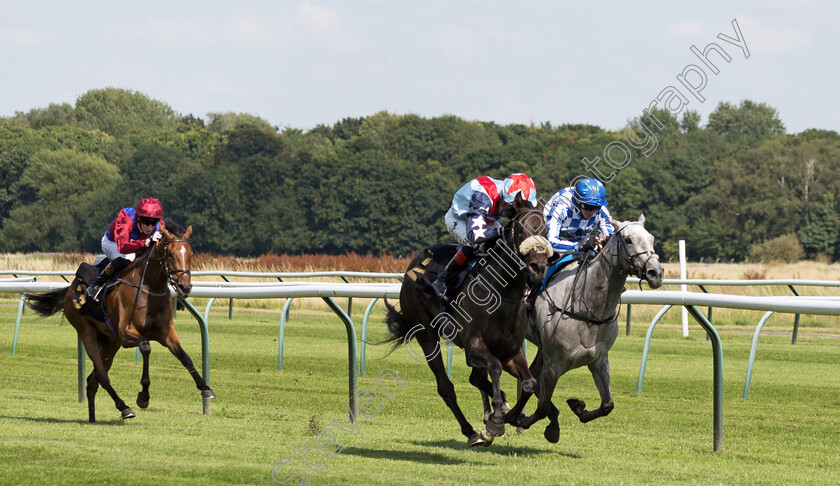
(431,265)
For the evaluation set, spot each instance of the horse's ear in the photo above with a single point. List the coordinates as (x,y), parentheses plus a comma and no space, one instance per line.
(642,218)
(518,202)
(165,232)
(615,223)
(188,232)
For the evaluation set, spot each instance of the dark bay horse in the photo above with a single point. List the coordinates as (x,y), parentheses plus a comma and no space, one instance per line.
(140,309)
(574,322)
(486,317)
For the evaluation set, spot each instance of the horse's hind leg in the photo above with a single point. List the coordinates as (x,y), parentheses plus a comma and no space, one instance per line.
(600,370)
(445,389)
(173,344)
(102,361)
(143,395)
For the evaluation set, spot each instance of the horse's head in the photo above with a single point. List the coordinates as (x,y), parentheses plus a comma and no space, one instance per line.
(176,252)
(527,233)
(631,249)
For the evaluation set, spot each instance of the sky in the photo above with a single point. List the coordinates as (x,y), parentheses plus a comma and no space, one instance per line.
(302,63)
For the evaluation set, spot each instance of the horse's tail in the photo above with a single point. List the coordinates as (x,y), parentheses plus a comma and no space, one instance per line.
(48,303)
(397,326)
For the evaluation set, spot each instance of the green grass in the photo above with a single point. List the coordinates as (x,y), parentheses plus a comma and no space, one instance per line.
(788,432)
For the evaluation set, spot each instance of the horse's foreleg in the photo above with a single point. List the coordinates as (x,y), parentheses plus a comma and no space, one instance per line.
(600,370)
(173,344)
(131,338)
(513,416)
(518,368)
(143,395)
(547,382)
(479,356)
(478,379)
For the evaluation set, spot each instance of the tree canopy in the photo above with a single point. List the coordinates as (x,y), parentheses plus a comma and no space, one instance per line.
(381,184)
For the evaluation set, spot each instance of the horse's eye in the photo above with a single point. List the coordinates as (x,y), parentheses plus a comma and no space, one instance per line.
(628,241)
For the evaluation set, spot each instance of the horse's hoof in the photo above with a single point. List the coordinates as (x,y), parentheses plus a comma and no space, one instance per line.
(552,434)
(497,430)
(141,402)
(486,437)
(127,414)
(520,430)
(208,393)
(577,406)
(475,440)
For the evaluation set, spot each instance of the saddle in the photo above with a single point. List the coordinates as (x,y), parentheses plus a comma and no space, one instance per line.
(431,265)
(86,274)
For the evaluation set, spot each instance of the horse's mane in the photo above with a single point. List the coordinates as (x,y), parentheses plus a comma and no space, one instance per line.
(173,227)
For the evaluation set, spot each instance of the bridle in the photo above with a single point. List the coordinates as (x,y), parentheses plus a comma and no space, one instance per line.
(172,276)
(538,242)
(623,255)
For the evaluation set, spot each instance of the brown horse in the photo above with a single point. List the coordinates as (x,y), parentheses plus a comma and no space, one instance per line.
(140,309)
(486,317)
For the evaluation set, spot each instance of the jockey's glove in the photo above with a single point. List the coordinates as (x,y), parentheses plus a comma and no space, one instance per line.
(591,244)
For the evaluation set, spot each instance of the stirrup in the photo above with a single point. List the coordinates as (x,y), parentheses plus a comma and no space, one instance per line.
(93,292)
(440,288)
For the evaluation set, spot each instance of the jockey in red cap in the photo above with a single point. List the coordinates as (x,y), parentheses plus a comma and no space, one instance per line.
(473,217)
(132,231)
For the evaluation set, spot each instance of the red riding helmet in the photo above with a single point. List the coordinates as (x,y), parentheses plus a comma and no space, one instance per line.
(150,208)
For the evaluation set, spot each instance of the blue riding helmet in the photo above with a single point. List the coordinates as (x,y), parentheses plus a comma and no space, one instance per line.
(590,191)
(520,183)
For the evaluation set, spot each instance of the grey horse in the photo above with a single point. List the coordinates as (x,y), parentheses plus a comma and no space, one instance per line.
(574,322)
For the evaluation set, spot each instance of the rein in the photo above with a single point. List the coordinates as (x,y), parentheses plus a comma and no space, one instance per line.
(564,310)
(170,279)
(622,255)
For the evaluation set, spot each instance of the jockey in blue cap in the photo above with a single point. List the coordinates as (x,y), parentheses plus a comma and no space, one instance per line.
(574,212)
(473,217)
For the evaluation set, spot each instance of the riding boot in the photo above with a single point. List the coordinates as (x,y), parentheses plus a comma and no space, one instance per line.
(458,260)
(96,285)
(109,271)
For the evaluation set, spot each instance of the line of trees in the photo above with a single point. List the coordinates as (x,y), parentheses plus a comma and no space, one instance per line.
(737,188)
